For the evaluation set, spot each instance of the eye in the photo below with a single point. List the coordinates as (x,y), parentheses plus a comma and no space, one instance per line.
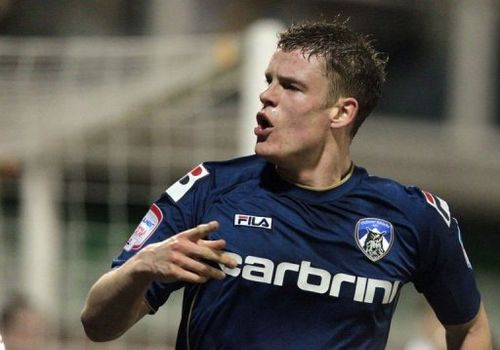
(268,79)
(290,86)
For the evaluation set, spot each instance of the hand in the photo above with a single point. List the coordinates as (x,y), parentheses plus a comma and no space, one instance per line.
(187,256)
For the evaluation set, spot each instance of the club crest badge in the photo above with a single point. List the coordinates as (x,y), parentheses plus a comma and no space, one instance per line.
(374,237)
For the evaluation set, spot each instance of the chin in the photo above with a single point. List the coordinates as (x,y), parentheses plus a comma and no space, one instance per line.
(262,151)
(271,157)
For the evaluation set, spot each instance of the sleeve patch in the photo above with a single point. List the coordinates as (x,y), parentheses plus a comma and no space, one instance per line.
(181,187)
(145,229)
(440,205)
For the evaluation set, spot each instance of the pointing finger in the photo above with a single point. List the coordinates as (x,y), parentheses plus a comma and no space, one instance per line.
(200,231)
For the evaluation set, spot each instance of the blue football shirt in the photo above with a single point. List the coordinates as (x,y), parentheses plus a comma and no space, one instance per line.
(316,269)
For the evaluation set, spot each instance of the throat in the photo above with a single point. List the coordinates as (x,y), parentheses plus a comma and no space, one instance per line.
(325,181)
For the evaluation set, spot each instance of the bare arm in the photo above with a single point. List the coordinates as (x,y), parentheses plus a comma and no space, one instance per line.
(473,335)
(116,301)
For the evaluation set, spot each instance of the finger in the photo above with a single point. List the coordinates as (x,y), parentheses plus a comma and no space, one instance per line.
(205,251)
(200,231)
(179,274)
(183,267)
(218,244)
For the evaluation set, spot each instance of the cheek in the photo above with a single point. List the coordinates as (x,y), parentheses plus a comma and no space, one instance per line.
(299,135)
(302,123)
(314,136)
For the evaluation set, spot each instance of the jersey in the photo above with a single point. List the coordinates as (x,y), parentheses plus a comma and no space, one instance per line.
(316,269)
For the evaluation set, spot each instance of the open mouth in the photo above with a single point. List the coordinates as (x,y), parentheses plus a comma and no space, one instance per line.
(263,121)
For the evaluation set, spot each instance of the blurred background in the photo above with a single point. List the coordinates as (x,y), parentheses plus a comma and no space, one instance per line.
(105,103)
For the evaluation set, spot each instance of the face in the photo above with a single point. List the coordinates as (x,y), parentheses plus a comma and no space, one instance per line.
(293,124)
(27,331)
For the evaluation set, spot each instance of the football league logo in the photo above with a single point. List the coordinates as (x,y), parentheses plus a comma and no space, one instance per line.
(148,225)
(374,237)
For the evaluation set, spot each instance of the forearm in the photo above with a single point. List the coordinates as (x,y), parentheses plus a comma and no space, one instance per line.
(115,302)
(475,335)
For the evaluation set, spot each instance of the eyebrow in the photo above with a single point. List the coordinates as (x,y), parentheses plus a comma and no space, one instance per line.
(287,79)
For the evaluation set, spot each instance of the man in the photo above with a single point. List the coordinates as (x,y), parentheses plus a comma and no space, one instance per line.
(22,327)
(295,247)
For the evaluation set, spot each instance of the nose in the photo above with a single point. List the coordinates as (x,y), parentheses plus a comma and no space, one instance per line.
(268,97)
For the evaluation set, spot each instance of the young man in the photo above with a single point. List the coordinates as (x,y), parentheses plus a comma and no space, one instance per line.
(295,247)
(22,326)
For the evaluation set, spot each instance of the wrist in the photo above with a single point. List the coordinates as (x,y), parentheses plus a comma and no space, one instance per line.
(140,268)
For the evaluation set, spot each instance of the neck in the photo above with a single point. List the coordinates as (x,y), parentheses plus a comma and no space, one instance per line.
(322,174)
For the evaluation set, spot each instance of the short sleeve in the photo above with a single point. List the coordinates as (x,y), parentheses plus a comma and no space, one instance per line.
(445,275)
(177,209)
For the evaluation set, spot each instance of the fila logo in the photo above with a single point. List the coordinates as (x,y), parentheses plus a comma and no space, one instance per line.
(253,221)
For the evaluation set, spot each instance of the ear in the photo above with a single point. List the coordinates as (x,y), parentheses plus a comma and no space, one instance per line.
(343,112)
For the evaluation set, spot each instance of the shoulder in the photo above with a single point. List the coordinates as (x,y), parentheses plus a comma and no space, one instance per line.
(393,190)
(210,177)
(421,206)
(235,170)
